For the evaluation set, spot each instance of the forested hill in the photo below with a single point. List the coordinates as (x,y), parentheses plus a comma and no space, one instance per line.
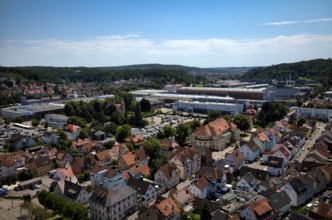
(157,72)
(319,70)
(98,74)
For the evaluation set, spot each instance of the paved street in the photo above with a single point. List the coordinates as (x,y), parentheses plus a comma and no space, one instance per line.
(310,142)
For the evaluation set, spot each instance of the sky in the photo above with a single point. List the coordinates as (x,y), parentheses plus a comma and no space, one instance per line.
(201,33)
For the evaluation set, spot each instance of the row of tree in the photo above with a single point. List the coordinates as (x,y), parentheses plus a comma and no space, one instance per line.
(62,206)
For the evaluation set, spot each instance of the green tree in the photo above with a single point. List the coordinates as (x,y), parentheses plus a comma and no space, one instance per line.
(145,105)
(127,99)
(46,124)
(182,133)
(19,119)
(116,118)
(69,109)
(152,148)
(206,211)
(242,122)
(35,122)
(122,132)
(168,131)
(77,121)
(138,120)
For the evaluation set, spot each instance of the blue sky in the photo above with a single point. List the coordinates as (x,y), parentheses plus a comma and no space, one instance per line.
(187,32)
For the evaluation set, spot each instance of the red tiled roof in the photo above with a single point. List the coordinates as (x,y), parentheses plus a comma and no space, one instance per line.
(167,207)
(71,128)
(214,128)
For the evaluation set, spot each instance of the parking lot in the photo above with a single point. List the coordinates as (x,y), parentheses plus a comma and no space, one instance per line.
(159,121)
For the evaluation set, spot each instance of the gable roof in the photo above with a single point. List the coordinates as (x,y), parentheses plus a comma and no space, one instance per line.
(183,195)
(214,128)
(297,185)
(135,139)
(250,179)
(263,137)
(252,146)
(167,207)
(211,173)
(143,169)
(272,182)
(107,198)
(201,183)
(103,155)
(72,190)
(260,175)
(139,185)
(71,128)
(168,169)
(237,156)
(279,199)
(261,207)
(8,160)
(168,144)
(42,161)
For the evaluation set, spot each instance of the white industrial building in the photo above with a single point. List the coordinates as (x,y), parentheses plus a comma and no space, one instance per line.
(56,120)
(27,111)
(318,113)
(205,107)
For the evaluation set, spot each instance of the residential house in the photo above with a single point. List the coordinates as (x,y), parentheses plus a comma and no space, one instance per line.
(260,175)
(215,135)
(135,140)
(99,136)
(271,183)
(168,210)
(65,174)
(187,161)
(84,146)
(304,131)
(327,170)
(320,180)
(131,159)
(147,213)
(78,165)
(259,209)
(235,159)
(72,131)
(324,212)
(200,187)
(183,197)
(168,146)
(72,192)
(278,151)
(297,140)
(216,177)
(206,155)
(311,161)
(275,166)
(137,172)
(250,151)
(309,183)
(263,142)
(62,158)
(112,204)
(296,191)
(273,135)
(168,175)
(9,162)
(48,137)
(146,192)
(103,158)
(40,166)
(247,183)
(118,150)
(280,202)
(20,141)
(109,178)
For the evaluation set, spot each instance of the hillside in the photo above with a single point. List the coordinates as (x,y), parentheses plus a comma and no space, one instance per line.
(319,70)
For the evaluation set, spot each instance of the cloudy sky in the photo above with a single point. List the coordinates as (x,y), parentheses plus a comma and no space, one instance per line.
(202,33)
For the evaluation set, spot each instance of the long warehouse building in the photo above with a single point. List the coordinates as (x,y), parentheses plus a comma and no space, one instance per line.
(267,94)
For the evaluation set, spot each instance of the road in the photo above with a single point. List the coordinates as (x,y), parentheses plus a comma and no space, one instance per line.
(310,142)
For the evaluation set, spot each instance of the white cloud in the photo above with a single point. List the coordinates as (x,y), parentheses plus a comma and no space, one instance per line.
(134,49)
(282,22)
(319,20)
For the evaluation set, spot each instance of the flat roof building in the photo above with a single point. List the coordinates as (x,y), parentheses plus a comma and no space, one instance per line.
(28,111)
(267,94)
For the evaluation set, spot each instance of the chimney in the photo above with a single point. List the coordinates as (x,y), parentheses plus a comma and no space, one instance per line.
(187,191)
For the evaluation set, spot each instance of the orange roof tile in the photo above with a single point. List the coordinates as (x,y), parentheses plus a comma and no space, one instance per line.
(214,128)
(71,128)
(167,207)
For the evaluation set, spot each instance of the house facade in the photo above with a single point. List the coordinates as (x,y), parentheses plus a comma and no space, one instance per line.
(215,135)
(250,151)
(168,175)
